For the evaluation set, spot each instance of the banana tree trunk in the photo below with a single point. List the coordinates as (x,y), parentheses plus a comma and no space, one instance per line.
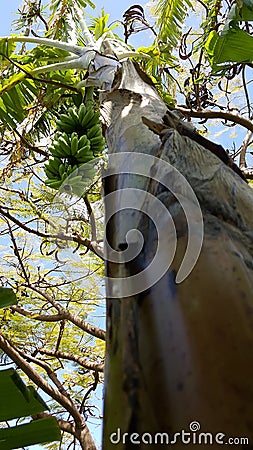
(179,341)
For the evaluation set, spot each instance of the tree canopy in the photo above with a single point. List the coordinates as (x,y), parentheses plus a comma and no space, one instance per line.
(199,59)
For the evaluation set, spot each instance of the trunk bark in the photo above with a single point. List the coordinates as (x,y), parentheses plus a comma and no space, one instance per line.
(179,354)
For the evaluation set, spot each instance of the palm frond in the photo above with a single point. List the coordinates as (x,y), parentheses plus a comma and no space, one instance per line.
(170,19)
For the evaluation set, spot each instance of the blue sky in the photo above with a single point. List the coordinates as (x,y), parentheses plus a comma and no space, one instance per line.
(114,8)
(6,14)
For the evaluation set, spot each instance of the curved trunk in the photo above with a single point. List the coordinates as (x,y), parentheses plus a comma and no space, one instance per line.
(176,352)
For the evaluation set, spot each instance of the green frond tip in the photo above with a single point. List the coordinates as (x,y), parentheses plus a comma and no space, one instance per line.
(170,19)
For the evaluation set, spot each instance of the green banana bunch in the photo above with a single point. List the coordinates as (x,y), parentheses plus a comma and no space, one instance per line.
(96,138)
(55,172)
(79,139)
(81,119)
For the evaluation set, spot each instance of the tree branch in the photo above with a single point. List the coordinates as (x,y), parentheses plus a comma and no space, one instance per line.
(93,246)
(208,114)
(85,326)
(40,317)
(62,314)
(243,150)
(51,374)
(15,355)
(90,329)
(72,357)
(65,426)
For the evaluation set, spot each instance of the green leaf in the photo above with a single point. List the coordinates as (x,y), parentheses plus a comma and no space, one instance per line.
(36,432)
(248,4)
(241,11)
(17,399)
(7,297)
(6,49)
(233,46)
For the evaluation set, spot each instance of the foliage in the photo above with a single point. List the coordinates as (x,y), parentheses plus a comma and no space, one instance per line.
(51,255)
(19,400)
(233,44)
(7,297)
(171,16)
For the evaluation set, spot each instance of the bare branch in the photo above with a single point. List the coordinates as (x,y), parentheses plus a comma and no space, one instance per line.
(91,329)
(17,254)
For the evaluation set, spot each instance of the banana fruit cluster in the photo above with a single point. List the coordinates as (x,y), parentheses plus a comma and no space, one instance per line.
(79,140)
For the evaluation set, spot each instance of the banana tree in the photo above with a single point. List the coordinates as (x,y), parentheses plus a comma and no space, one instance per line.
(178,253)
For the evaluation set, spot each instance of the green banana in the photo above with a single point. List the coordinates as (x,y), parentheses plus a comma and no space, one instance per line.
(64,176)
(66,122)
(54,150)
(96,140)
(88,116)
(53,184)
(94,120)
(69,169)
(85,158)
(94,131)
(53,164)
(50,174)
(61,169)
(83,151)
(81,112)
(51,169)
(72,112)
(64,126)
(98,149)
(58,147)
(74,144)
(83,140)
(74,167)
(65,147)
(67,119)
(70,152)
